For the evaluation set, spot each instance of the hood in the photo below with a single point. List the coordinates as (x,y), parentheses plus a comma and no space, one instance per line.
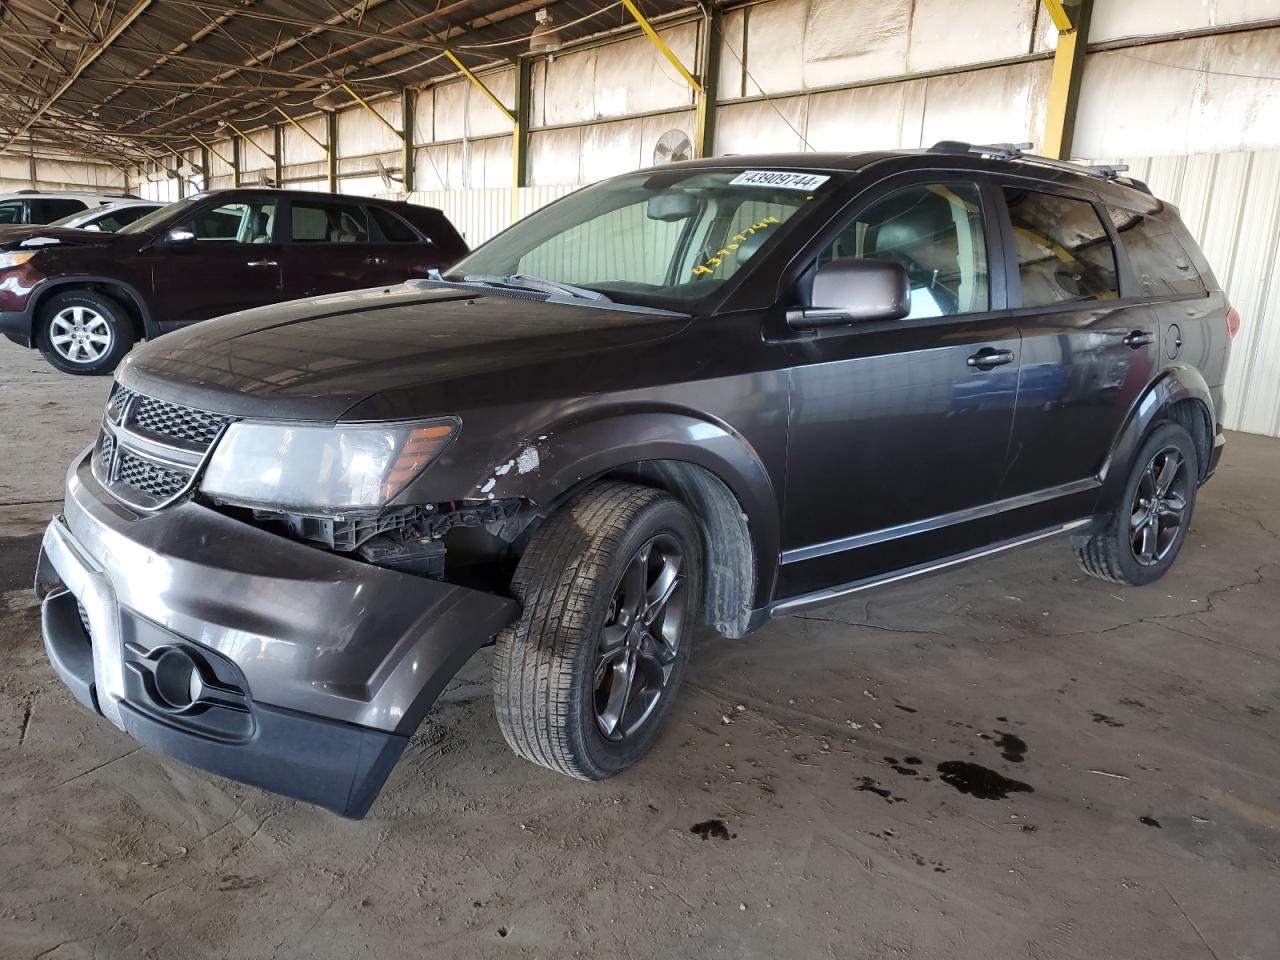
(33,236)
(420,351)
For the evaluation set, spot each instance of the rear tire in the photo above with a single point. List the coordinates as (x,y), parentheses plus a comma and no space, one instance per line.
(610,585)
(84,332)
(1142,538)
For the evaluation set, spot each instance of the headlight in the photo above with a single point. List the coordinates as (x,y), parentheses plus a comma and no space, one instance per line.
(285,466)
(15,258)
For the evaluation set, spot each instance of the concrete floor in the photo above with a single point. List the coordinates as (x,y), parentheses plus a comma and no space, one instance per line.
(794,809)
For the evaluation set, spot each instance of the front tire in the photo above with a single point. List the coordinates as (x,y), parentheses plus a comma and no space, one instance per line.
(610,585)
(84,332)
(1144,535)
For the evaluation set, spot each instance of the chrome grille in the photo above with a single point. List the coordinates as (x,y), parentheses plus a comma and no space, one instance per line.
(150,478)
(176,422)
(150,451)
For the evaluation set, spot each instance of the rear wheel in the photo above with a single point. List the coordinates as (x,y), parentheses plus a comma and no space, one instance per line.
(585,679)
(84,331)
(1145,534)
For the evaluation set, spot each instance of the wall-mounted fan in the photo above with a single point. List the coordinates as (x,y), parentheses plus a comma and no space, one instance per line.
(672,147)
(390,181)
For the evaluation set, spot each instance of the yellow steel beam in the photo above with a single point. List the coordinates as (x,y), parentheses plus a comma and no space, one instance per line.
(661,44)
(1058,14)
(209,147)
(249,140)
(517,159)
(1068,69)
(365,103)
(480,86)
(314,139)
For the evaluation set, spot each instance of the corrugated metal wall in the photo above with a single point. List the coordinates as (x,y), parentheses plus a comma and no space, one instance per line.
(480,214)
(1231,202)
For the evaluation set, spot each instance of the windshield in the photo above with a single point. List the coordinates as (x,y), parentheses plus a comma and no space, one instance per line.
(143,224)
(666,237)
(75,219)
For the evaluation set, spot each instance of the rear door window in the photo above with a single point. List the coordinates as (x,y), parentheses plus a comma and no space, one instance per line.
(1159,260)
(1064,252)
(319,222)
(12,211)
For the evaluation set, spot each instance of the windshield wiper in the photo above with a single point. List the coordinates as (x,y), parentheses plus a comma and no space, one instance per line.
(522,281)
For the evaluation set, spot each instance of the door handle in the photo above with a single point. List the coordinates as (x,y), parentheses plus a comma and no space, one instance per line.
(263,263)
(988,357)
(376,261)
(1138,338)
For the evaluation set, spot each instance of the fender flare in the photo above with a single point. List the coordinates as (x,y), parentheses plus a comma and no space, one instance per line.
(547,470)
(1174,385)
(119,288)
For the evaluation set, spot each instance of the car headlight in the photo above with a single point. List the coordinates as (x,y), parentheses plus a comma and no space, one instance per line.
(15,258)
(328,469)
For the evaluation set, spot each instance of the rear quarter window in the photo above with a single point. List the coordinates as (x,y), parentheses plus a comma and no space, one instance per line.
(1159,260)
(394,230)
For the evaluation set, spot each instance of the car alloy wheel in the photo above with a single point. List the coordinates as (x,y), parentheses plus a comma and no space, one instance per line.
(1159,506)
(640,639)
(80,334)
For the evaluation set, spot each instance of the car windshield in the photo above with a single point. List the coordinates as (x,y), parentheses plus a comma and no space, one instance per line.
(77,218)
(143,224)
(664,238)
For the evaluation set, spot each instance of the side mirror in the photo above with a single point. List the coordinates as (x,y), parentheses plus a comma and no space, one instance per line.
(180,235)
(853,291)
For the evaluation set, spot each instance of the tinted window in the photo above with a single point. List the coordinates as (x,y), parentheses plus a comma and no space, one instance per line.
(315,222)
(935,231)
(46,209)
(242,222)
(1159,260)
(1064,253)
(11,211)
(392,227)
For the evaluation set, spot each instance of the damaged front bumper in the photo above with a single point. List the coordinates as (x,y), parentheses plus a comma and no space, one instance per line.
(247,654)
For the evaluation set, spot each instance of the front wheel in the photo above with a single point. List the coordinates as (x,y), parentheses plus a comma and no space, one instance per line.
(1146,532)
(84,331)
(610,587)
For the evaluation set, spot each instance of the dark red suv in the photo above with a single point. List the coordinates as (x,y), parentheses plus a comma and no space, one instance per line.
(83,298)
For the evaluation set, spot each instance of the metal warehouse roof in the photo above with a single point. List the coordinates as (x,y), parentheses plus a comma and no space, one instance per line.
(105,77)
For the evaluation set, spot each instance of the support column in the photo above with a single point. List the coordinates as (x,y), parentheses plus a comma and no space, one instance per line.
(407,158)
(331,149)
(204,168)
(1071,17)
(278,153)
(235,161)
(704,124)
(524,118)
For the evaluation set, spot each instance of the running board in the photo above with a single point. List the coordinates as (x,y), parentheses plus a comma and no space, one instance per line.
(832,594)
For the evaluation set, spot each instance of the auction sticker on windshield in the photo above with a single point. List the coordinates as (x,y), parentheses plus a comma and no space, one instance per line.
(779,178)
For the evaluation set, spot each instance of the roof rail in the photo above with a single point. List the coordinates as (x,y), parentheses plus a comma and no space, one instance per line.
(1018,152)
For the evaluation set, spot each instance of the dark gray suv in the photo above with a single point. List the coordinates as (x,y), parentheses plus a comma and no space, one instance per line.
(716,392)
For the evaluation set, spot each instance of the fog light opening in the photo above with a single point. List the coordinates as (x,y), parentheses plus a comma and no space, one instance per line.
(177,680)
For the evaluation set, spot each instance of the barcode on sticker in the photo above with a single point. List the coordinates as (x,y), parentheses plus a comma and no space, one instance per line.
(779,178)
